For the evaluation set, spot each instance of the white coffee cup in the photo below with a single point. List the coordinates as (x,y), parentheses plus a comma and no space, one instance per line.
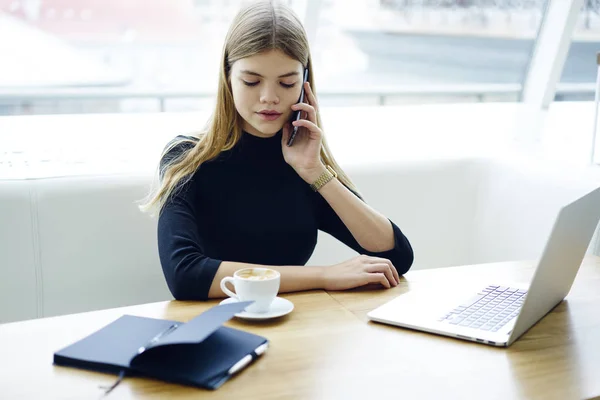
(260,285)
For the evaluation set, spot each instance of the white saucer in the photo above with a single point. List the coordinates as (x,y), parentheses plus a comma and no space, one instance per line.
(279,308)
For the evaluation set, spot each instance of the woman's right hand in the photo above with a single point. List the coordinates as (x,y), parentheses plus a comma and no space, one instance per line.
(359,271)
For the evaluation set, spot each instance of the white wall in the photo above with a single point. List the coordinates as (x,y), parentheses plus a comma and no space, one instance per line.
(520,200)
(95,244)
(442,173)
(431,202)
(19,277)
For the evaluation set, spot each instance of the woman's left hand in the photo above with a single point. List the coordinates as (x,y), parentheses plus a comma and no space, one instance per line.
(304,155)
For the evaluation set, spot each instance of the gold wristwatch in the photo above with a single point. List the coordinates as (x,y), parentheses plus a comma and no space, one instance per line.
(325,177)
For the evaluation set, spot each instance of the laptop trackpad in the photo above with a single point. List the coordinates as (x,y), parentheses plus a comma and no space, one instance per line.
(427,304)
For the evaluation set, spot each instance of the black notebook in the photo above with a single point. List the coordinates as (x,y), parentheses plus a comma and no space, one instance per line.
(200,352)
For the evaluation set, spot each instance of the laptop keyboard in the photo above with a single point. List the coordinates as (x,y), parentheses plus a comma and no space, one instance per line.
(489,310)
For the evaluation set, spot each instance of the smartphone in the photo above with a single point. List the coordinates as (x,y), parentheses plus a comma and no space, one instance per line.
(296,114)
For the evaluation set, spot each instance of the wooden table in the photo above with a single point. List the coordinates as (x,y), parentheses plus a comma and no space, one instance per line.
(327,349)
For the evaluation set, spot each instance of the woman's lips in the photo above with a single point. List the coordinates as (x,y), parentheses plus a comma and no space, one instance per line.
(269,116)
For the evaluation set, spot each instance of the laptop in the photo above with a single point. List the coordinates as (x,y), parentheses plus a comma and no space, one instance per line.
(499,313)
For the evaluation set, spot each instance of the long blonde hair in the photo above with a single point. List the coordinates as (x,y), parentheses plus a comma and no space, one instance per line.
(258,27)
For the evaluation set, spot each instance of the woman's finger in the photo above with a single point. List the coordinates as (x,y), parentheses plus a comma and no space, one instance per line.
(312,127)
(378,278)
(379,260)
(383,269)
(310,111)
(310,96)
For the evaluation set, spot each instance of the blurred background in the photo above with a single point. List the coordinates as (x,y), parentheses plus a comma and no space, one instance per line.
(107,56)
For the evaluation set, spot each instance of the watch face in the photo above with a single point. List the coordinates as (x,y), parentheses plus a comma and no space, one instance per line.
(332,171)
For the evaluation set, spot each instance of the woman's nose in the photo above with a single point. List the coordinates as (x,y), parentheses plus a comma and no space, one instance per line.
(269,95)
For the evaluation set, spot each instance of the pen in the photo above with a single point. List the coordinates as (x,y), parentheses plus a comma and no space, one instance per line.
(156,338)
(238,366)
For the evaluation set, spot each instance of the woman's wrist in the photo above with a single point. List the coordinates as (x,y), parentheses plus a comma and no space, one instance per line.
(320,277)
(310,175)
(296,278)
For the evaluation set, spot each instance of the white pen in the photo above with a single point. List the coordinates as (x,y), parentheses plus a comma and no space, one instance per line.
(238,366)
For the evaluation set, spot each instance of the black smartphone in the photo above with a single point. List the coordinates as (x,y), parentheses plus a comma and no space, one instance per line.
(296,114)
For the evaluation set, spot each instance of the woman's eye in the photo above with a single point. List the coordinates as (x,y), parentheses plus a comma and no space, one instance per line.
(288,86)
(250,83)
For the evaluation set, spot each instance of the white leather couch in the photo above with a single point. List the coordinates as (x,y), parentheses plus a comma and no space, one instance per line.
(78,242)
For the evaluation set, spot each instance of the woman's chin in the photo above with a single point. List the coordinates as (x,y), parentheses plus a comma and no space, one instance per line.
(265,130)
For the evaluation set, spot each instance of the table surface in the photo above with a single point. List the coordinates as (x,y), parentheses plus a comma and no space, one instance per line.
(327,349)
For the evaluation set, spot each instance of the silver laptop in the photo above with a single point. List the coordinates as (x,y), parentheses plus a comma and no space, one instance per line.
(499,313)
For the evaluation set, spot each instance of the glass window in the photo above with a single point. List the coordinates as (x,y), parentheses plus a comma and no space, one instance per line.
(433,45)
(109,47)
(123,55)
(578,79)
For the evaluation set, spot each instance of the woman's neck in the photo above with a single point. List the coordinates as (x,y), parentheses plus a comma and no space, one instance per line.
(249,129)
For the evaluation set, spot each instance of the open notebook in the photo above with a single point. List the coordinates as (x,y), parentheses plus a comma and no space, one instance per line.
(200,352)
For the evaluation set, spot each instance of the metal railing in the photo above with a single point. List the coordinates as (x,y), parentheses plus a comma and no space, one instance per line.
(382,93)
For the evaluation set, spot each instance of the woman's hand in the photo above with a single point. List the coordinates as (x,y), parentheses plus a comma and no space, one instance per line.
(359,271)
(305,153)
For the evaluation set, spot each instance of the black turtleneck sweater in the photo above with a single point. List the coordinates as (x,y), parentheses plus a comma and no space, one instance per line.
(247,205)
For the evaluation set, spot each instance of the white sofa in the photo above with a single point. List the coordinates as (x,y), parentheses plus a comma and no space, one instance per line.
(76,243)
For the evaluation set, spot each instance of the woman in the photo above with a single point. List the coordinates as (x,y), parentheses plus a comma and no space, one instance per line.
(238,196)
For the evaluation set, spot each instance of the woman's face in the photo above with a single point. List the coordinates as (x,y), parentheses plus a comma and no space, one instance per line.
(264,87)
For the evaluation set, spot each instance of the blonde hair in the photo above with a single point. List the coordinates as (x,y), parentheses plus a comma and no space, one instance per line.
(258,27)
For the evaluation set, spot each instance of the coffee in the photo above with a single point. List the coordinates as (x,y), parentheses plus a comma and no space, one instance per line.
(259,285)
(256,274)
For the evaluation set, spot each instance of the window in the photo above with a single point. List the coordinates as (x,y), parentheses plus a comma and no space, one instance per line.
(153,55)
(578,78)
(426,50)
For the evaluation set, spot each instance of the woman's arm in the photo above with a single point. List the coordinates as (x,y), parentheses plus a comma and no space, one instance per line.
(343,214)
(187,270)
(356,272)
(293,278)
(372,231)
(191,275)
(346,217)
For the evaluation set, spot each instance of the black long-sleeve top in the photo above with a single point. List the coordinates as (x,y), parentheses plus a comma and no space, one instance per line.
(247,205)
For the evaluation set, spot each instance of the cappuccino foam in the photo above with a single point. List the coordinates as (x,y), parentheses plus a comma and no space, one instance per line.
(257,275)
